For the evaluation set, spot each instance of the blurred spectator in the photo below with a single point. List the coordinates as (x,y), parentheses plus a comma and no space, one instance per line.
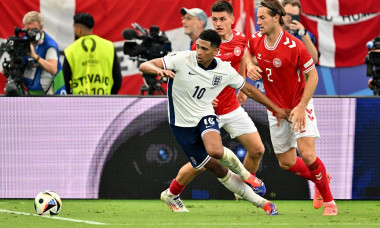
(194,21)
(293,26)
(91,66)
(42,65)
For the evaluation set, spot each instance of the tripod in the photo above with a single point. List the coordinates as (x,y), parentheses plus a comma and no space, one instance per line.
(152,85)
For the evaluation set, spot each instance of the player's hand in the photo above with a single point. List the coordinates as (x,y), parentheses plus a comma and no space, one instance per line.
(215,102)
(165,73)
(241,97)
(254,72)
(298,118)
(282,114)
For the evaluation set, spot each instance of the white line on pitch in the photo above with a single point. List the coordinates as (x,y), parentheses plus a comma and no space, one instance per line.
(52,217)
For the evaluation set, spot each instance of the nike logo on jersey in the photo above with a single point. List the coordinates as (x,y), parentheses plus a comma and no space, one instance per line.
(191,73)
(318,176)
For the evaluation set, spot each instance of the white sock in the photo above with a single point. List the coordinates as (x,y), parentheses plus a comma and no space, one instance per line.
(231,161)
(233,183)
(170,194)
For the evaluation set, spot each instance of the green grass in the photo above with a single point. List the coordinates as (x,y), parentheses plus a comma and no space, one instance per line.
(203,213)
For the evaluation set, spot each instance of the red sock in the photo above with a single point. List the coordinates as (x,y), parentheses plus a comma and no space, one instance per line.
(319,177)
(176,188)
(253,174)
(300,169)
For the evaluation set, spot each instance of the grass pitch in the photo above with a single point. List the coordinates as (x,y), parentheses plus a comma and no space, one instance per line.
(203,213)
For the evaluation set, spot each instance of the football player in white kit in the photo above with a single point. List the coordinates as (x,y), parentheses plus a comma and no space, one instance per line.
(198,79)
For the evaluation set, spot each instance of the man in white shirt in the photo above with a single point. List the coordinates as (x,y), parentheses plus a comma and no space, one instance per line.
(199,78)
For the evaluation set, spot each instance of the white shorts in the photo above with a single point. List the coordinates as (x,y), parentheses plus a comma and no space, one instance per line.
(284,138)
(237,123)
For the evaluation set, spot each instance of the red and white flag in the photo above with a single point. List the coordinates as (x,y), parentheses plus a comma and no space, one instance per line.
(244,13)
(342,28)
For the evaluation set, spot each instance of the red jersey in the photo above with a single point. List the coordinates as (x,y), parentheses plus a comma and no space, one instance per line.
(283,67)
(231,50)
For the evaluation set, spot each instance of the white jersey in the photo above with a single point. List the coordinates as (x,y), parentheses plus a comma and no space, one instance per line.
(193,88)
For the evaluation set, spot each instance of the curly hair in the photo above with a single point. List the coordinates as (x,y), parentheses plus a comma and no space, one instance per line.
(212,36)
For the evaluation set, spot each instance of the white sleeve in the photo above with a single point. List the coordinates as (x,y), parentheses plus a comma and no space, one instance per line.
(51,53)
(170,61)
(236,81)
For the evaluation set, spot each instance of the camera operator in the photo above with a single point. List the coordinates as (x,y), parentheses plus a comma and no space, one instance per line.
(293,26)
(373,66)
(91,66)
(42,62)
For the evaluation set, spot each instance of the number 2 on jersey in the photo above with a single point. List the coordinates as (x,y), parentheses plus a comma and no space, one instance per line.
(269,73)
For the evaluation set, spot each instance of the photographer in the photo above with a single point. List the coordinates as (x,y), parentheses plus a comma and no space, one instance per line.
(293,26)
(373,67)
(91,66)
(42,63)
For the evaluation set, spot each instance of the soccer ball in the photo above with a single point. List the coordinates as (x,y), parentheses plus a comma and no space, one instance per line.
(47,203)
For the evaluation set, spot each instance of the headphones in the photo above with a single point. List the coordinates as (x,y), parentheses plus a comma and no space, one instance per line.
(35,35)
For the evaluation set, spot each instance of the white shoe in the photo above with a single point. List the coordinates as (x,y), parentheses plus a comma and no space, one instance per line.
(237,197)
(174,203)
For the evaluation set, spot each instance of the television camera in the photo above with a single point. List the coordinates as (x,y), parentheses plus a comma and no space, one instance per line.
(17,47)
(152,44)
(372,61)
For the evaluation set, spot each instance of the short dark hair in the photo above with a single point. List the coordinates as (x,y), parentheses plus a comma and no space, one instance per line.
(212,36)
(222,6)
(84,19)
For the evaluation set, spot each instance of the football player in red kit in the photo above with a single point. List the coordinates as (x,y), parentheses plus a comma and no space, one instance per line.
(283,61)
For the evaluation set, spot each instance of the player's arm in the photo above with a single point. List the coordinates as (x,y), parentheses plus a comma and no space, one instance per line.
(298,115)
(241,96)
(253,70)
(255,94)
(155,66)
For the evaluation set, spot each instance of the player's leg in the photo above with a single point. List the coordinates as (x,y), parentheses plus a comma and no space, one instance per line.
(255,150)
(192,145)
(185,175)
(234,183)
(213,144)
(284,145)
(240,126)
(318,173)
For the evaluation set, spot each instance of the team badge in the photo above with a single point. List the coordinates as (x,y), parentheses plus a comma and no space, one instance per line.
(237,51)
(216,81)
(277,62)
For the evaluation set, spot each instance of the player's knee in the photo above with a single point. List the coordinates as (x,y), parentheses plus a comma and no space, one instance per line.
(285,165)
(216,168)
(256,153)
(215,152)
(308,157)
